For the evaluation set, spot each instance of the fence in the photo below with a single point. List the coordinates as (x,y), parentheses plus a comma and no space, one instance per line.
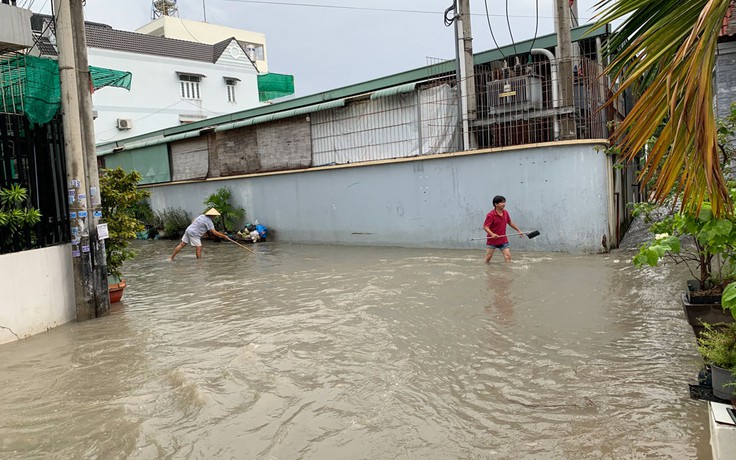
(32,156)
(515,106)
(523,104)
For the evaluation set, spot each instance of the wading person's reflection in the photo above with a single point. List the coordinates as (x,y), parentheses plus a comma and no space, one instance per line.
(501,305)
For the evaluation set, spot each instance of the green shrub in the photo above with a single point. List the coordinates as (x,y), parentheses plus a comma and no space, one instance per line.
(173,222)
(120,194)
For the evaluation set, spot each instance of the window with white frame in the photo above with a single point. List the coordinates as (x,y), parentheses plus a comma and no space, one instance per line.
(189,86)
(230,86)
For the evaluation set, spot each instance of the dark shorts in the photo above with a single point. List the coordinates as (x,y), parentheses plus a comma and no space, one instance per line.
(498,246)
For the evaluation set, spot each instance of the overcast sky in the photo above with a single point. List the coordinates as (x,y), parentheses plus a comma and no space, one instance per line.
(328,44)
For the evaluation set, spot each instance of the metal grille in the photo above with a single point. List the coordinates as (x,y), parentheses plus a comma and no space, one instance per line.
(12,71)
(32,157)
(522,104)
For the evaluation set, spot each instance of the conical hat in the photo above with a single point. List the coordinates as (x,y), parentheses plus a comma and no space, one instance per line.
(212,212)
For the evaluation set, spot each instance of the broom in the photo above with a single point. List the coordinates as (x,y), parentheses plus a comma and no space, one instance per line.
(530,235)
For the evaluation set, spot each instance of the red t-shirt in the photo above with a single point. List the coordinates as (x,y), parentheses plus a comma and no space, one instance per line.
(497,224)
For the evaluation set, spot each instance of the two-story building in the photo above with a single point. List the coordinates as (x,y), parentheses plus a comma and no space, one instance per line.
(175,81)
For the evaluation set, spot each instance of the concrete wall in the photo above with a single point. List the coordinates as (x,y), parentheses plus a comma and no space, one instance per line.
(561,189)
(37,291)
(15,28)
(725,78)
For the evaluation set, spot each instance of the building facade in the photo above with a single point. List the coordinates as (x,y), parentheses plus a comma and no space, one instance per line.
(174,81)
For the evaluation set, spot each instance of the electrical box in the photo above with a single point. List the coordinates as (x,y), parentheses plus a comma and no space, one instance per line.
(514,94)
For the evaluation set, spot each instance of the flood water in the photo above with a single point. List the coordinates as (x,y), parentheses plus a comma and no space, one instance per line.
(335,352)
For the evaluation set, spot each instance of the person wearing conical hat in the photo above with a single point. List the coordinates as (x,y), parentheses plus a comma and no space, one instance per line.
(196,230)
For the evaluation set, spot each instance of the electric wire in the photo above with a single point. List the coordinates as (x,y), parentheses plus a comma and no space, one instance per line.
(488,18)
(508,23)
(536,27)
(359,8)
(452,8)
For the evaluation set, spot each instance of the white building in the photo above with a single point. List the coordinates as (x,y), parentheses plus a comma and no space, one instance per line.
(174,81)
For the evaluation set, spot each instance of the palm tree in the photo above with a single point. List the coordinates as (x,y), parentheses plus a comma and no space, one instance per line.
(229,214)
(666,50)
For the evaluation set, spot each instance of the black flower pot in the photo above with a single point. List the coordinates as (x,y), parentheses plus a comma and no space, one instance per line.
(699,313)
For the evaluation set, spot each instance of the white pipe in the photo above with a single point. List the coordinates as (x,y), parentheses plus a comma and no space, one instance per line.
(555,95)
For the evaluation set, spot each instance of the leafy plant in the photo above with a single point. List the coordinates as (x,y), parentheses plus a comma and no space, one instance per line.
(667,51)
(694,240)
(172,221)
(16,216)
(120,196)
(229,214)
(717,345)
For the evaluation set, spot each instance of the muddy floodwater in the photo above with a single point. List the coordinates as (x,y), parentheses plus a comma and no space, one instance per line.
(335,352)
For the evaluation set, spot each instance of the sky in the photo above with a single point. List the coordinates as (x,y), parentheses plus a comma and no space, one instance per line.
(328,44)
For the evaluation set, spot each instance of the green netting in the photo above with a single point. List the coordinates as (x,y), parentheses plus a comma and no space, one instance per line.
(273,85)
(30,85)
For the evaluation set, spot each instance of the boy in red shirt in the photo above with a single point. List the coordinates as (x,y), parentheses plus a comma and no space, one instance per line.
(495,226)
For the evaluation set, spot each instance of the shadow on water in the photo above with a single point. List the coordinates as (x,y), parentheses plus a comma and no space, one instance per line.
(302,351)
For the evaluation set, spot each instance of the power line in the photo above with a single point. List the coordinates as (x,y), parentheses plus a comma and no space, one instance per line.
(488,17)
(508,22)
(361,8)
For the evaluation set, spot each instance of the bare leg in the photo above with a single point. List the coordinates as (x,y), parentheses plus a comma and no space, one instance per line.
(199,252)
(506,254)
(177,249)
(489,254)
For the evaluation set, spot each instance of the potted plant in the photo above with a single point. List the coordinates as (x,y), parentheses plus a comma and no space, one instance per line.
(717,345)
(120,194)
(707,246)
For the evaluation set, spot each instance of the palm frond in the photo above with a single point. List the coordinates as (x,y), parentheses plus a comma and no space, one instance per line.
(671,48)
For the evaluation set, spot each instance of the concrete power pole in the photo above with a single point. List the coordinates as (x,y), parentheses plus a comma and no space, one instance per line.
(466,76)
(76,165)
(568,130)
(84,84)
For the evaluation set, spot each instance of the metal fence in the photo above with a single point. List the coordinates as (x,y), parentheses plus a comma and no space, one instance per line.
(515,105)
(32,156)
(524,104)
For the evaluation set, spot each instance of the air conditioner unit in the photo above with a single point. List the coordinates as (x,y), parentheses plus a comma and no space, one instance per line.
(514,94)
(124,123)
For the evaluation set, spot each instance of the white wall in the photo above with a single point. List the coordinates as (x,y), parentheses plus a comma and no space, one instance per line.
(154,101)
(37,291)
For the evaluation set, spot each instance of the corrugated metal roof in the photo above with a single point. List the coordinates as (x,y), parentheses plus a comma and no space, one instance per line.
(394,90)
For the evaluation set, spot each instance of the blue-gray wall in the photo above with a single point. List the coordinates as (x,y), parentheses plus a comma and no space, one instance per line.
(560,189)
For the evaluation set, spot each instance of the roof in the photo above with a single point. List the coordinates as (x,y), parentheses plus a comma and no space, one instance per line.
(102,36)
(584,32)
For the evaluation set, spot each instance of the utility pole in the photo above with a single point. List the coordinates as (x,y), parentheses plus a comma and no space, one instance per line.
(76,165)
(568,130)
(466,77)
(85,87)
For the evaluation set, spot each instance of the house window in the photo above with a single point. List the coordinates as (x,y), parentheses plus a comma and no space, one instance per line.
(189,85)
(230,86)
